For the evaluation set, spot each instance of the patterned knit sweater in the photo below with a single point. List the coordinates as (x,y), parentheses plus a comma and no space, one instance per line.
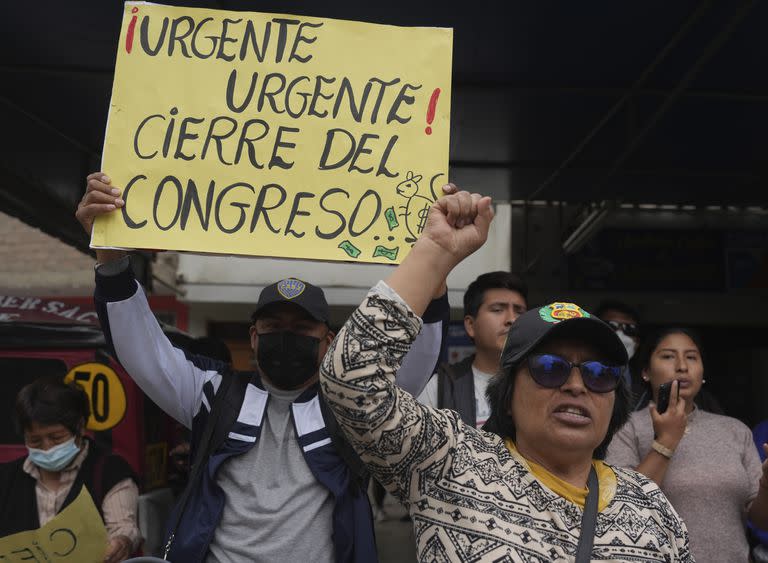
(469,497)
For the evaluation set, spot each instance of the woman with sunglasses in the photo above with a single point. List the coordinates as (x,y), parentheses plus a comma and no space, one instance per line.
(705,463)
(624,321)
(61,460)
(537,490)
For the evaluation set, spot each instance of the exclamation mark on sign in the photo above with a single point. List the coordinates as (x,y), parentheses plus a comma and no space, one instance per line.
(129,35)
(431,110)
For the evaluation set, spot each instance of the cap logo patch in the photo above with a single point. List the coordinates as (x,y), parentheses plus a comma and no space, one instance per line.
(557,312)
(291,288)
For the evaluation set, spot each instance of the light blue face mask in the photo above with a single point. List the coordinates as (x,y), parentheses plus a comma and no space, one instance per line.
(55,458)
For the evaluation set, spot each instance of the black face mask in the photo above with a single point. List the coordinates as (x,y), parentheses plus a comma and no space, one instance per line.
(288,359)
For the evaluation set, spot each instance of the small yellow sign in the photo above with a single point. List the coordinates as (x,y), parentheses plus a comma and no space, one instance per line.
(75,535)
(275,135)
(156,465)
(104,388)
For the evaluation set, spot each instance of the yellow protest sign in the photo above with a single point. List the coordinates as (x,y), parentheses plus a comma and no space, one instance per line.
(74,535)
(105,390)
(275,135)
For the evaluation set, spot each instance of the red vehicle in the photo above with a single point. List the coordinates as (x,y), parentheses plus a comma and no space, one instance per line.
(62,337)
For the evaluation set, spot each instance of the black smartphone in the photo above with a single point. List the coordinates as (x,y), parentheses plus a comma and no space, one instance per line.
(665,389)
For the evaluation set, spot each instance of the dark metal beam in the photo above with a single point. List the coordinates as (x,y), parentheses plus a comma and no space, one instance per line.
(58,70)
(596,167)
(461,81)
(42,122)
(671,44)
(712,47)
(605,91)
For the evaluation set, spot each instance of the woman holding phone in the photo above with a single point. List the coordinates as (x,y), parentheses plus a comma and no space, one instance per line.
(705,463)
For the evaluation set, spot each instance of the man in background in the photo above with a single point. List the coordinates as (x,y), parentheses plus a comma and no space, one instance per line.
(491,304)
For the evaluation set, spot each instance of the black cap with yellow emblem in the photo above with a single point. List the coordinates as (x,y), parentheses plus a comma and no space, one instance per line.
(564,320)
(291,290)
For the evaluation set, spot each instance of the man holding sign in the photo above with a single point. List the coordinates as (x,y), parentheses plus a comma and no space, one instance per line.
(279,480)
(267,135)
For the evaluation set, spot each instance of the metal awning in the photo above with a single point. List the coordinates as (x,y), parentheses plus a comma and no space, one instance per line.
(643,101)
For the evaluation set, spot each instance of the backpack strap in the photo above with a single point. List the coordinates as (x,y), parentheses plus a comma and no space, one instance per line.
(85,477)
(98,480)
(232,397)
(214,434)
(588,519)
(100,471)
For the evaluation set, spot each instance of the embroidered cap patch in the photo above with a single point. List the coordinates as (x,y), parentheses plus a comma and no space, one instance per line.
(291,288)
(556,312)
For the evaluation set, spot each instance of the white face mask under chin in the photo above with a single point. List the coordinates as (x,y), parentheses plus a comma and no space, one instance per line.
(628,342)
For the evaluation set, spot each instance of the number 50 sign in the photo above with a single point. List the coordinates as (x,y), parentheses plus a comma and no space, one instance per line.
(105,392)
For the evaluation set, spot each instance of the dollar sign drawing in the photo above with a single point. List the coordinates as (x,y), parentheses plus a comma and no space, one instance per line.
(423,214)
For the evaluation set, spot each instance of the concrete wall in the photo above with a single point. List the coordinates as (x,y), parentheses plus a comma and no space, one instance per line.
(34,263)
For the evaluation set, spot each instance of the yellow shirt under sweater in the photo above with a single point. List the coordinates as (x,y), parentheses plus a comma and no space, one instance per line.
(606,480)
(472,499)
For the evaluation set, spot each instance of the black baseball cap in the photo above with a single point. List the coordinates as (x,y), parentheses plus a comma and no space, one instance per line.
(564,320)
(291,290)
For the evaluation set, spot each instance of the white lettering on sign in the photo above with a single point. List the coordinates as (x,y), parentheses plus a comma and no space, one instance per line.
(88,317)
(36,305)
(10,302)
(53,307)
(30,303)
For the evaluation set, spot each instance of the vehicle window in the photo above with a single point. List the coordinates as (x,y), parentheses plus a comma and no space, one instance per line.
(15,373)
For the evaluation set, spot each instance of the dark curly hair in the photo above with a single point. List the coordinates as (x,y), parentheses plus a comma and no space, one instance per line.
(501,390)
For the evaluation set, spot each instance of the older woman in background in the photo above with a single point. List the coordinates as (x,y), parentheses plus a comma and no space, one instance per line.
(705,463)
(61,461)
(538,492)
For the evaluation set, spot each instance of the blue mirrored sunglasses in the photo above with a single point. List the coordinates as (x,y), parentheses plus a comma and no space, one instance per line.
(550,370)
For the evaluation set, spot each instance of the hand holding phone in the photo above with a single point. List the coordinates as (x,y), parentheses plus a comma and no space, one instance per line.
(668,415)
(665,390)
